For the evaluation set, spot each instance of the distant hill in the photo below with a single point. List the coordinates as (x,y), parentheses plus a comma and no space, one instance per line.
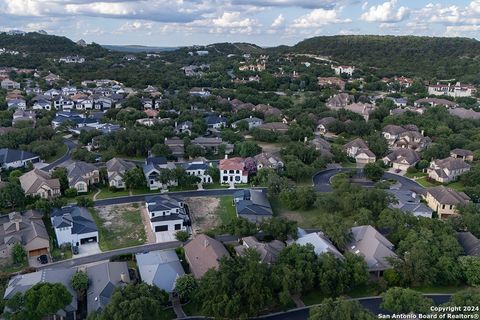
(442,58)
(47,45)
(137,49)
(236,48)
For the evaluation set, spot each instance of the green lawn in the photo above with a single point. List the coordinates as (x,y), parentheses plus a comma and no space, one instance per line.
(182,188)
(107,193)
(216,185)
(415,174)
(304,218)
(442,289)
(226,210)
(144,191)
(124,228)
(425,183)
(457,185)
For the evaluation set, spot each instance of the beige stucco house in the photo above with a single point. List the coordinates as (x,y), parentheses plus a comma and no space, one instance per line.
(40,183)
(445,201)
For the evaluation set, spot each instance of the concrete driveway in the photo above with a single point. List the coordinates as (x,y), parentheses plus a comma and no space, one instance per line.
(88,249)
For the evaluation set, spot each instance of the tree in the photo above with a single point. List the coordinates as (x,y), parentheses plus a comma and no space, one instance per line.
(401,300)
(471,269)
(12,196)
(302,197)
(79,282)
(214,173)
(60,173)
(377,144)
(247,149)
(182,235)
(134,178)
(373,171)
(467,297)
(185,286)
(340,309)
(194,151)
(294,271)
(18,253)
(135,301)
(84,202)
(239,289)
(250,166)
(162,150)
(280,228)
(14,175)
(41,300)
(71,192)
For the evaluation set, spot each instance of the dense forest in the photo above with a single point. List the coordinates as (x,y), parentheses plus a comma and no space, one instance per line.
(428,57)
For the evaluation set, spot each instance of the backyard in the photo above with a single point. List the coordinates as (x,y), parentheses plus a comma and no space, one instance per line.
(119,226)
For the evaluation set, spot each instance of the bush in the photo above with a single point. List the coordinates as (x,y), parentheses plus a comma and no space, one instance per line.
(71,192)
(85,202)
(182,235)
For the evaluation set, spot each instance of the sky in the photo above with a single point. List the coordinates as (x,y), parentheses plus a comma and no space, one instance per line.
(172,23)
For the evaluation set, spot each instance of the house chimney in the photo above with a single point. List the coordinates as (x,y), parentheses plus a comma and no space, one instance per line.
(124,277)
(226,156)
(205,243)
(422,132)
(305,139)
(176,124)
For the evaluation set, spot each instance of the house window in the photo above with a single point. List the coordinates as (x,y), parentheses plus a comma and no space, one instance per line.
(225,178)
(153,214)
(178,226)
(237,178)
(231,171)
(237,172)
(443,206)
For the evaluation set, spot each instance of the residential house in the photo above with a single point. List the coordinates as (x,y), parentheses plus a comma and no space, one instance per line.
(72,59)
(463,113)
(200,92)
(268,161)
(252,122)
(435,102)
(12,159)
(74,225)
(176,146)
(457,90)
(399,102)
(445,201)
(363,109)
(104,278)
(409,202)
(198,169)
(167,216)
(51,78)
(339,101)
(204,253)
(42,104)
(8,84)
(322,145)
(21,283)
(447,170)
(152,171)
(215,122)
(268,110)
(402,159)
(21,115)
(321,244)
(339,70)
(40,183)
(324,123)
(331,82)
(358,150)
(469,243)
(412,139)
(279,127)
(212,144)
(370,244)
(184,127)
(252,204)
(392,132)
(233,171)
(26,228)
(116,169)
(268,251)
(16,103)
(81,175)
(465,155)
(160,268)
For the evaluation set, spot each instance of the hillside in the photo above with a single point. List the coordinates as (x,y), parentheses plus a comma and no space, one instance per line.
(136,48)
(408,55)
(47,45)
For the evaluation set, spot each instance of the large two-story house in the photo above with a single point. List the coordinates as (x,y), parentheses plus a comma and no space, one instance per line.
(116,169)
(445,201)
(167,216)
(152,170)
(81,175)
(233,170)
(40,183)
(358,150)
(447,170)
(74,225)
(198,169)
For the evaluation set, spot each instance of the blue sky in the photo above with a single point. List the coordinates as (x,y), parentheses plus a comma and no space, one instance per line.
(264,22)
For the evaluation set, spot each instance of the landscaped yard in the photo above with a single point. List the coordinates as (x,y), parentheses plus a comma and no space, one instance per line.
(423,181)
(106,193)
(119,226)
(226,210)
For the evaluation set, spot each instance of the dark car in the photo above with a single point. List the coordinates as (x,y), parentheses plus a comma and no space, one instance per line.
(75,249)
(43,259)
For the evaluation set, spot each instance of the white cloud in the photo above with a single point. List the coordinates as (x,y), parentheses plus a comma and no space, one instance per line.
(279,21)
(318,18)
(135,26)
(386,12)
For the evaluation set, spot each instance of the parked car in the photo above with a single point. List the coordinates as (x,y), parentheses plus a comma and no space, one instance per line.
(43,259)
(75,249)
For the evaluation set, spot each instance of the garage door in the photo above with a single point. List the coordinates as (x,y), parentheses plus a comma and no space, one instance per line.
(37,252)
(88,240)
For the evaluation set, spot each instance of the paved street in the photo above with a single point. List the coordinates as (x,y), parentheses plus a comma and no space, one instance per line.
(107,255)
(321,180)
(70,146)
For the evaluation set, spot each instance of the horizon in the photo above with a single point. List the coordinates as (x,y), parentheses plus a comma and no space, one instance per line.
(266,23)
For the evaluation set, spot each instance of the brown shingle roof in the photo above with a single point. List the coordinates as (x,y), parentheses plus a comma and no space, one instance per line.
(204,253)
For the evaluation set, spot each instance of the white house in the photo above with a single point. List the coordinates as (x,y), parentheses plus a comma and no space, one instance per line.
(152,171)
(447,170)
(233,171)
(457,90)
(11,158)
(252,122)
(167,216)
(198,169)
(74,225)
(343,69)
